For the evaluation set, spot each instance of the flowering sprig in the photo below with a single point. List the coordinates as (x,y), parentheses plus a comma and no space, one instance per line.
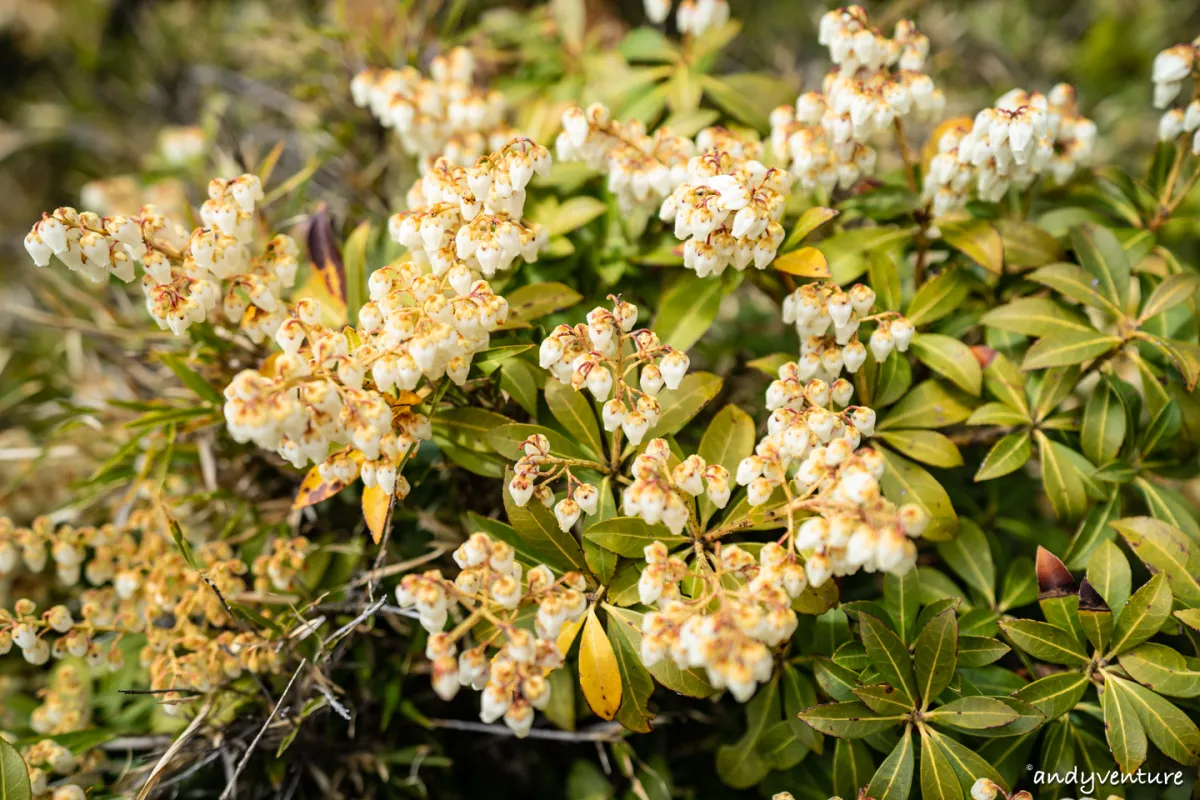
(472,215)
(642,168)
(603,355)
(1012,144)
(660,493)
(693,18)
(443,114)
(877,83)
(186,278)
(489,590)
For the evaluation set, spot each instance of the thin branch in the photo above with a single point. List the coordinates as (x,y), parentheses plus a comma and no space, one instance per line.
(232,787)
(605,732)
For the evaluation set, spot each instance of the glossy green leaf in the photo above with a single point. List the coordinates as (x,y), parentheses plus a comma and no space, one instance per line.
(1108,571)
(937,297)
(951,359)
(1007,455)
(893,779)
(729,438)
(1034,316)
(1171,730)
(540,532)
(928,405)
(574,412)
(1162,669)
(1054,695)
(938,778)
(1174,290)
(1146,611)
(636,685)
(680,405)
(971,559)
(935,655)
(688,307)
(1101,254)
(1063,482)
(1104,421)
(852,720)
(978,240)
(1045,642)
(1067,348)
(905,482)
(1122,724)
(1168,550)
(973,713)
(889,655)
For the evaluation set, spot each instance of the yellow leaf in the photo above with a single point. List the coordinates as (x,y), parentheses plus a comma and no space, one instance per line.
(566,637)
(599,675)
(807,262)
(376,507)
(314,488)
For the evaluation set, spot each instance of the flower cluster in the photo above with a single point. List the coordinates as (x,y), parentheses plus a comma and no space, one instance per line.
(443,114)
(728,210)
(742,609)
(48,759)
(877,83)
(596,355)
(642,168)
(490,588)
(1022,137)
(539,464)
(812,454)
(471,216)
(185,277)
(1172,67)
(694,17)
(815,308)
(659,493)
(140,583)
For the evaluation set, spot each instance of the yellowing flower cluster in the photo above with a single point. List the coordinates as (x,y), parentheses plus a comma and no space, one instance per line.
(471,216)
(642,168)
(490,588)
(139,583)
(728,210)
(731,642)
(185,277)
(601,355)
(877,82)
(443,114)
(1172,68)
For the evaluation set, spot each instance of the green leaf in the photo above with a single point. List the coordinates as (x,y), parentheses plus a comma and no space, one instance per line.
(973,713)
(1094,616)
(852,720)
(928,447)
(848,252)
(852,766)
(937,298)
(629,536)
(506,440)
(539,530)
(884,699)
(536,300)
(728,439)
(1123,728)
(889,655)
(462,434)
(688,308)
(1063,482)
(951,359)
(968,765)
(905,482)
(1164,425)
(1007,455)
(998,414)
(1074,282)
(1162,669)
(1108,572)
(14,775)
(935,655)
(1045,642)
(1103,430)
(893,779)
(978,240)
(634,713)
(1006,383)
(884,278)
(522,381)
(1068,348)
(809,221)
(1101,254)
(192,379)
(971,559)
(938,779)
(733,102)
(1166,549)
(929,405)
(1146,611)
(1092,530)
(647,44)
(1054,695)
(1171,730)
(1174,290)
(559,219)
(679,406)
(1168,506)
(1027,244)
(740,765)
(901,594)
(1034,316)
(979,651)
(574,412)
